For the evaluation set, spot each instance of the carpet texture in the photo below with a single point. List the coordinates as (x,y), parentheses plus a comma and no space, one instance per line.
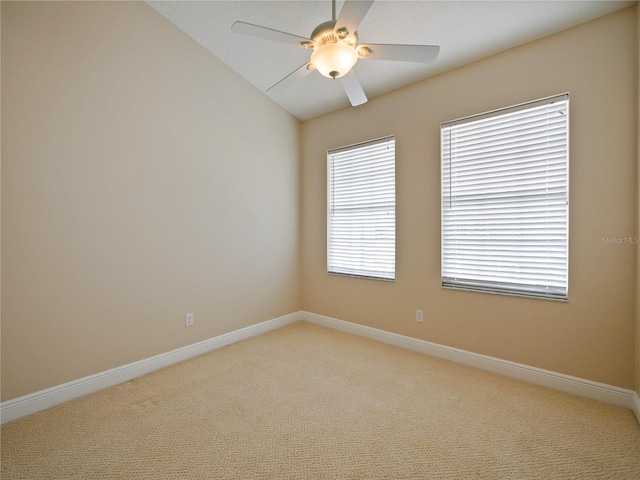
(307,402)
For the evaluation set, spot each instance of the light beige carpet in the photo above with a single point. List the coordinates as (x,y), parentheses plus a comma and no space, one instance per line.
(306,402)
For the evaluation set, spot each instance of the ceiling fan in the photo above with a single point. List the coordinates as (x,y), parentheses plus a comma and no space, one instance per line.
(336,49)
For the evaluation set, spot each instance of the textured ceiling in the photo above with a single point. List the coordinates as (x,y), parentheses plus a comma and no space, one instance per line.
(466,31)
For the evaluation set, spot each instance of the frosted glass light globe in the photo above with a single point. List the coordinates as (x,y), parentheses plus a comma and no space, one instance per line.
(334,60)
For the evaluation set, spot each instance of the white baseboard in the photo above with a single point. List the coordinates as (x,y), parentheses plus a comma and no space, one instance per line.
(558,381)
(35,402)
(636,406)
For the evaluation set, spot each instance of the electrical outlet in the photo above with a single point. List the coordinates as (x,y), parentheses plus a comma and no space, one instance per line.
(189,320)
(419,316)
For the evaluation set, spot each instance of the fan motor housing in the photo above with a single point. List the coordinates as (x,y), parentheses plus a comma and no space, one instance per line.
(324,34)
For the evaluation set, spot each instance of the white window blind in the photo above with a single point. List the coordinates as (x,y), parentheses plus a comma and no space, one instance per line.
(362,210)
(505,200)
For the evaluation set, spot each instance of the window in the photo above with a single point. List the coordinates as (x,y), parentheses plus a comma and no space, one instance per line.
(362,210)
(505,200)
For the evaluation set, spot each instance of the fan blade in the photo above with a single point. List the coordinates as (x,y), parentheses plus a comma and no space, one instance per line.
(353,89)
(297,74)
(268,34)
(352,13)
(400,53)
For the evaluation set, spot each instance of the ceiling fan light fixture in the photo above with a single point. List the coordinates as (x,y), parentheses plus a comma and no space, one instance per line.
(334,60)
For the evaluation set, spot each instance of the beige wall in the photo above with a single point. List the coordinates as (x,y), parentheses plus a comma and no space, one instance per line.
(591,336)
(141,180)
(638,206)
